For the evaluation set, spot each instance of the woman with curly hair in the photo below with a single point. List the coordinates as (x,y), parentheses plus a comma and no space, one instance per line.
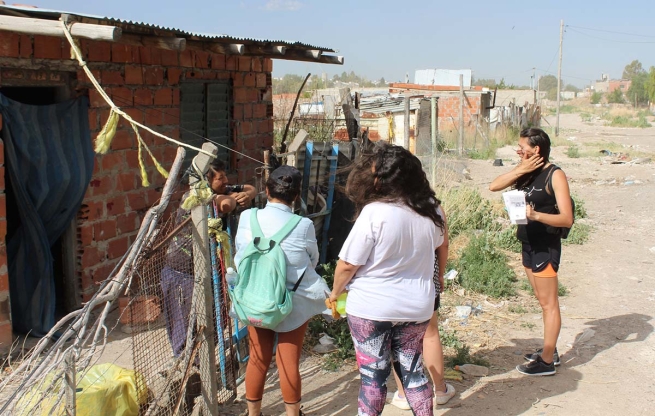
(387,261)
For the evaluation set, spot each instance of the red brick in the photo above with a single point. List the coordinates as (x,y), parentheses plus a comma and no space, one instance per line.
(201,59)
(122,97)
(262,126)
(259,111)
(187,59)
(237,112)
(101,186)
(142,55)
(164,96)
(261,80)
(116,205)
(91,256)
(46,47)
(120,53)
(137,114)
(6,337)
(104,230)
(253,95)
(99,52)
(176,98)
(257,64)
(247,128)
(112,161)
(92,210)
(4,277)
(169,58)
(237,79)
(26,48)
(132,159)
(240,95)
(171,116)
(103,272)
(133,75)
(122,140)
(231,62)
(3,230)
(247,111)
(173,75)
(268,65)
(93,120)
(127,223)
(126,182)
(245,63)
(249,79)
(117,247)
(143,97)
(155,56)
(85,234)
(137,200)
(218,61)
(154,75)
(112,78)
(153,196)
(3,206)
(154,117)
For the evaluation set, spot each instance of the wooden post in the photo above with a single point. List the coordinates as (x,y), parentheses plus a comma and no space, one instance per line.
(559,75)
(460,143)
(406,138)
(433,136)
(202,307)
(70,384)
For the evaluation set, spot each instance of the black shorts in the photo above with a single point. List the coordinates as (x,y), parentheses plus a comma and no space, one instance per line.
(537,257)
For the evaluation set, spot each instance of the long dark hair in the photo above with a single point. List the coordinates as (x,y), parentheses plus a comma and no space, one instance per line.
(536,137)
(392,174)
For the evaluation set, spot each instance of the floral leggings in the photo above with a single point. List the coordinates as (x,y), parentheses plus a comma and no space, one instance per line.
(376,343)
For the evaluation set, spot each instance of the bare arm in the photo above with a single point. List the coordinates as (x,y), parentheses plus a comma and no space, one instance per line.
(244,197)
(508,179)
(563,198)
(343,274)
(225,203)
(442,253)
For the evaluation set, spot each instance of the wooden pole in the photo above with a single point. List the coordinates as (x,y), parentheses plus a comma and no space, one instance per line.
(70,384)
(406,138)
(559,74)
(283,145)
(460,143)
(44,27)
(433,137)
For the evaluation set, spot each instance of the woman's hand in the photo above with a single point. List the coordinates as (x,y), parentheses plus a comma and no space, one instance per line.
(530,213)
(333,296)
(242,198)
(531,164)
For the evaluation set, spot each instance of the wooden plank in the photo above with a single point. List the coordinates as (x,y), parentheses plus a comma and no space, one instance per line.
(44,27)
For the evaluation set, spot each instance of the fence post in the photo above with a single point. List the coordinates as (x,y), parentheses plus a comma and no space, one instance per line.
(70,384)
(202,307)
(433,135)
(461,115)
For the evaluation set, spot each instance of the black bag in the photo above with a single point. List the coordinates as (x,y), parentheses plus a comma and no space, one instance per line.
(562,232)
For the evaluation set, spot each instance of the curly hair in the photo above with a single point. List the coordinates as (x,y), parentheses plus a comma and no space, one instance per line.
(392,174)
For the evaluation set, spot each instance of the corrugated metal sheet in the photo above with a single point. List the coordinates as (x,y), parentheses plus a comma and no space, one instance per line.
(446,77)
(393,104)
(148,27)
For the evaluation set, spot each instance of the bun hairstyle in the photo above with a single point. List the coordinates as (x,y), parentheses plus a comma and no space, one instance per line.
(284,184)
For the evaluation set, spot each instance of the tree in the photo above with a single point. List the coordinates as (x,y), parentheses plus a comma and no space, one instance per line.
(633,69)
(485,82)
(650,84)
(637,92)
(548,82)
(596,97)
(572,88)
(616,97)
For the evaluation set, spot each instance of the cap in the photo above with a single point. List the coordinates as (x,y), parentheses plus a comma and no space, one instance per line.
(281,174)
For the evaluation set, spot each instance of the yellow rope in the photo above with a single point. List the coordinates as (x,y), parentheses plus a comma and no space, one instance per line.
(105,146)
(216,230)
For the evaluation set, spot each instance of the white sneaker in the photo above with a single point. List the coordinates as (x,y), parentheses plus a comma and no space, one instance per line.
(400,402)
(441,397)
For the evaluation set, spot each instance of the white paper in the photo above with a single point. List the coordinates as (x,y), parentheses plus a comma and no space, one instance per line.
(515,205)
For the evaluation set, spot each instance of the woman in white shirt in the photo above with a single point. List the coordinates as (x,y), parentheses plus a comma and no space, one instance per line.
(387,261)
(301,252)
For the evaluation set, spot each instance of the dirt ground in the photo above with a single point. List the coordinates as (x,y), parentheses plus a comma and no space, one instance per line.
(611,301)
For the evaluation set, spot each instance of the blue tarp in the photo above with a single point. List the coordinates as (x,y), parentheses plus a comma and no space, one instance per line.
(49,160)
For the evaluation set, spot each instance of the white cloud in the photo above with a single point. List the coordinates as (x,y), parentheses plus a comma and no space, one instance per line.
(286,5)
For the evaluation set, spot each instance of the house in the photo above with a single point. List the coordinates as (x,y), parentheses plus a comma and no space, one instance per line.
(185,85)
(610,85)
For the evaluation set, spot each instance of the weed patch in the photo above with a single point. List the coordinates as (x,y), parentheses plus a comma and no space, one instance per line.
(623,121)
(463,356)
(573,152)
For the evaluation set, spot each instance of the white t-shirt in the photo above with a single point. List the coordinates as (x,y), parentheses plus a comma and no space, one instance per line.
(395,248)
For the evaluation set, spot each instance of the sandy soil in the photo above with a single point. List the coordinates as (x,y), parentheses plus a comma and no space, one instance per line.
(612,293)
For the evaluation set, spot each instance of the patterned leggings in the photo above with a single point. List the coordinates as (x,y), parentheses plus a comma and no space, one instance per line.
(376,343)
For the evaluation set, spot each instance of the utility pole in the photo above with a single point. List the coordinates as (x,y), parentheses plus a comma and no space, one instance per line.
(559,74)
(460,142)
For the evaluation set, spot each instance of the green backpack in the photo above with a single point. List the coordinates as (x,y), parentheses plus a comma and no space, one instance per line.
(261,298)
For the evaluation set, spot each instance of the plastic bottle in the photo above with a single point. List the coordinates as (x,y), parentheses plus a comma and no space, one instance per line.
(341,303)
(473,370)
(231,277)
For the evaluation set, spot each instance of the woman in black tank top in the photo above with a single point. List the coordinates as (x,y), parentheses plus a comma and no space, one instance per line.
(548,207)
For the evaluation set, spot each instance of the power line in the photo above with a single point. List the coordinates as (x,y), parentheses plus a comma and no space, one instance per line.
(565,76)
(610,40)
(611,31)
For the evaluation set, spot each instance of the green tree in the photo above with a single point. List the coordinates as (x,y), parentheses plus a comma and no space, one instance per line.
(572,88)
(637,92)
(548,82)
(485,82)
(633,69)
(596,97)
(650,84)
(616,97)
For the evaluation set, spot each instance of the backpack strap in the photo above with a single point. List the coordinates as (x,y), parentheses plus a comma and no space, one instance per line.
(288,227)
(255,229)
(549,180)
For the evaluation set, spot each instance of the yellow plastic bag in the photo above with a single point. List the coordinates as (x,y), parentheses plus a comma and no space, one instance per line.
(106,389)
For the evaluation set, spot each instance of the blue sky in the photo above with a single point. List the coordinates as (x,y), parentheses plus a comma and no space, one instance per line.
(386,38)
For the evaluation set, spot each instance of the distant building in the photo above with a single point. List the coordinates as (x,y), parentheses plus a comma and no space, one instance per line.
(443,77)
(608,86)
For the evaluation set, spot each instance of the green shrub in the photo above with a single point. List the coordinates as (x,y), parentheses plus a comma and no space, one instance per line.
(616,97)
(567,109)
(573,152)
(507,240)
(562,290)
(622,121)
(463,356)
(580,210)
(467,210)
(596,97)
(483,268)
(449,339)
(585,117)
(579,234)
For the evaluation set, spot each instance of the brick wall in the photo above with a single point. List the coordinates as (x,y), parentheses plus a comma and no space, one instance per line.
(145,83)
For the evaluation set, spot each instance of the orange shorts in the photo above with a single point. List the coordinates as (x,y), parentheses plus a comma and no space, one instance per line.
(547,272)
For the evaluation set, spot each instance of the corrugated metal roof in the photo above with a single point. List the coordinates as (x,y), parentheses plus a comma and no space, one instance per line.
(142,26)
(393,104)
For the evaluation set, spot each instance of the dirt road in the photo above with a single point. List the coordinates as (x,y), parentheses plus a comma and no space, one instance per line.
(611,280)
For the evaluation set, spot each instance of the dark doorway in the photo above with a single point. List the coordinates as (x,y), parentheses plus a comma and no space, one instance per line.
(67,284)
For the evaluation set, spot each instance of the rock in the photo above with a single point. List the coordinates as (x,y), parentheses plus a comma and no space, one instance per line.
(324,348)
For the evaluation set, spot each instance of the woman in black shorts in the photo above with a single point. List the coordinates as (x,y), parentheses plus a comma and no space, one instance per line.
(548,209)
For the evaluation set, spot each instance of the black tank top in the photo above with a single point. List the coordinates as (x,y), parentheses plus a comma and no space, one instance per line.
(542,201)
